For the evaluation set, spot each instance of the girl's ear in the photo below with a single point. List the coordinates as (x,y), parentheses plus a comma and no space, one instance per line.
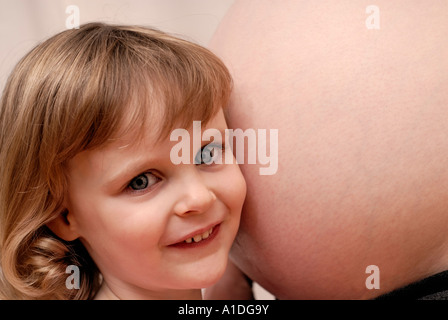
(62,227)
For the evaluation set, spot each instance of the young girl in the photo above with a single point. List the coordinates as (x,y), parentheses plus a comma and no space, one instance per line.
(86,178)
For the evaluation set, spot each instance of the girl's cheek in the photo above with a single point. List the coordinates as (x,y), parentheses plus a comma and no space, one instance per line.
(235,186)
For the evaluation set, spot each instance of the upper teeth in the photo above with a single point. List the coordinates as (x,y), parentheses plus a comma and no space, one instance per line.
(200,237)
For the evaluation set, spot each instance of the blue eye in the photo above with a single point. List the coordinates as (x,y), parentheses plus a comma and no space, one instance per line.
(209,153)
(143,181)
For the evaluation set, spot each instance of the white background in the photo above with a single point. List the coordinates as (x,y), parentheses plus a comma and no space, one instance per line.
(24,23)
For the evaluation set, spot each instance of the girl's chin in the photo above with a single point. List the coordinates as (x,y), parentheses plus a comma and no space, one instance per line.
(205,282)
(204,279)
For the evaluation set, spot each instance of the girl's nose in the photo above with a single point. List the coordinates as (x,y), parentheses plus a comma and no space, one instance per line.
(195,196)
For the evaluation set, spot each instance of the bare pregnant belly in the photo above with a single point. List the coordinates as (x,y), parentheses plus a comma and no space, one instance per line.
(362,119)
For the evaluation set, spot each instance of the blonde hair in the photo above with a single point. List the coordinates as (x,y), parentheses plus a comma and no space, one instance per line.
(69,94)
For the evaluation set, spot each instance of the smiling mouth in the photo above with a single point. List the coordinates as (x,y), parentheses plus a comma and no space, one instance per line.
(199,239)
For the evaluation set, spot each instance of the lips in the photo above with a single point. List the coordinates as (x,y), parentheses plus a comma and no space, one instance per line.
(200,236)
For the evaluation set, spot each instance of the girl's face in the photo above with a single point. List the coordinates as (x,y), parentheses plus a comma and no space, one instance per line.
(152,226)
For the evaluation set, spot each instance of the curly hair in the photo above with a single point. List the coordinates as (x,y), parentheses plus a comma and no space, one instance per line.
(69,94)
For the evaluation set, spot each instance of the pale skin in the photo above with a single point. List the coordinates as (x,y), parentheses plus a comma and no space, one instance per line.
(132,207)
(362,118)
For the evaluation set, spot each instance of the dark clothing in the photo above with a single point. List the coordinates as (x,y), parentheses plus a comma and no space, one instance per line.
(432,288)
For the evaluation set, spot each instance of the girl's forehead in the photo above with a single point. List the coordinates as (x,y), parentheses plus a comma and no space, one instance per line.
(149,134)
(153,123)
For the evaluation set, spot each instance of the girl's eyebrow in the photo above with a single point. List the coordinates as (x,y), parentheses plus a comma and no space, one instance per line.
(127,171)
(125,146)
